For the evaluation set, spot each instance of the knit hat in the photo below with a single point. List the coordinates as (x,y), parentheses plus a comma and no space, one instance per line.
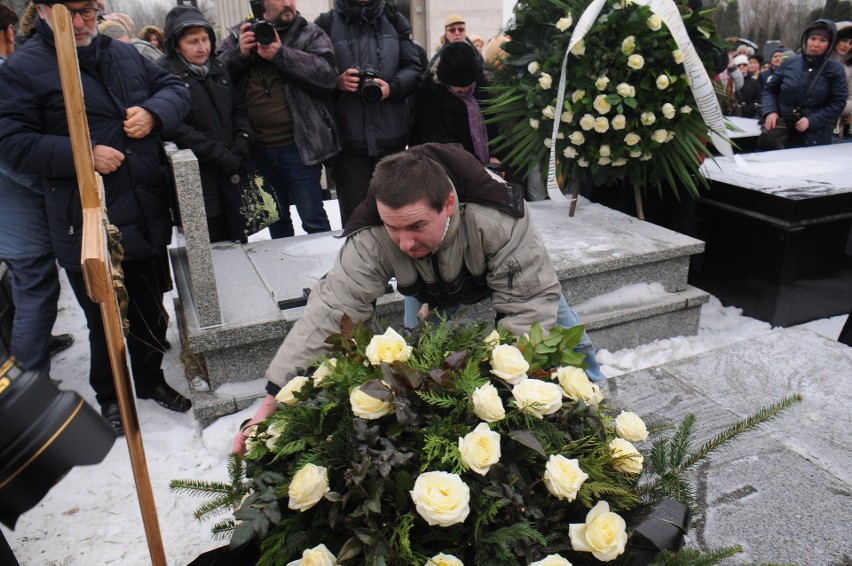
(453,19)
(458,65)
(113,30)
(821,32)
(741,60)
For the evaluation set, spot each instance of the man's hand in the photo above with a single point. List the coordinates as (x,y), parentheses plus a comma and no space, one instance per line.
(802,124)
(107,159)
(139,123)
(268,52)
(770,121)
(247,40)
(349,81)
(385,88)
(268,407)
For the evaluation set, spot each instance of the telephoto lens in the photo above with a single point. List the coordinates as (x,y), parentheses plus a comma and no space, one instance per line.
(44,432)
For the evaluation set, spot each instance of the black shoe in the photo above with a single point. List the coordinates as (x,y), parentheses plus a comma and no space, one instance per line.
(166,397)
(111,413)
(59,343)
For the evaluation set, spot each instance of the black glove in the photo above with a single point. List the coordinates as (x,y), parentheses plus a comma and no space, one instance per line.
(230,164)
(240,145)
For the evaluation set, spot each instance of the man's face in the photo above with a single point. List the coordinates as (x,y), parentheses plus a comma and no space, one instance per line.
(776,59)
(283,10)
(84,30)
(194,46)
(417,228)
(455,32)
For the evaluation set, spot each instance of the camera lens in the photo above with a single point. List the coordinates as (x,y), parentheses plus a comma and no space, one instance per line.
(264,33)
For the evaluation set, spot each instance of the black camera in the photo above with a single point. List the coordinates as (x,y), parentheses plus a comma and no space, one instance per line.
(368,88)
(264,32)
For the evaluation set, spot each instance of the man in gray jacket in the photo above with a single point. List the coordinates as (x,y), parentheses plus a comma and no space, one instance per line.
(457,236)
(287,72)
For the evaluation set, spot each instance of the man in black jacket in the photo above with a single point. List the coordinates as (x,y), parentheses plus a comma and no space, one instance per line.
(129,101)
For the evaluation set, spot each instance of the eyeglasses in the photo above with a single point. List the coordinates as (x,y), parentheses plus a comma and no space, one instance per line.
(87,14)
(455,29)
(742,65)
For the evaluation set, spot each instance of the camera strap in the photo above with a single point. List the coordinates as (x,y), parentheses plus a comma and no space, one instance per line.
(814,80)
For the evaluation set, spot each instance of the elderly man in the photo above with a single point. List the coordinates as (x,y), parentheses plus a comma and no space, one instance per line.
(455,30)
(128,102)
(455,237)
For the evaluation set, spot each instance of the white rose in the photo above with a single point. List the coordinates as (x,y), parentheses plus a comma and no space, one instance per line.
(604,533)
(630,426)
(587,122)
(563,477)
(654,22)
(551,560)
(533,67)
(548,142)
(619,122)
(604,160)
(582,162)
(577,138)
(626,458)
(324,370)
(564,23)
(480,448)
(492,339)
(601,105)
(307,487)
(669,137)
(685,109)
(602,83)
(620,162)
(659,136)
(286,394)
(575,383)
(274,430)
(567,117)
(545,81)
(636,61)
(388,347)
(678,56)
(625,90)
(605,150)
(596,397)
(368,407)
(569,152)
(549,112)
(442,559)
(537,398)
(577,95)
(579,49)
(316,556)
(441,498)
(669,111)
(636,153)
(534,124)
(487,404)
(628,45)
(646,157)
(601,125)
(508,363)
(662,82)
(632,138)
(647,118)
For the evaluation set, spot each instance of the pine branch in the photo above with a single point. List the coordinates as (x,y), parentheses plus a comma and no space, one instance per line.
(220,504)
(679,446)
(200,488)
(694,557)
(223,529)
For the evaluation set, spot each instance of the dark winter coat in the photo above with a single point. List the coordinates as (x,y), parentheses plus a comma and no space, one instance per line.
(306,61)
(371,36)
(748,97)
(785,90)
(216,119)
(34,138)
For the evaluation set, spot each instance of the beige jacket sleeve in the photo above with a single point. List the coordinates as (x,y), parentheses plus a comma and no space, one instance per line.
(358,278)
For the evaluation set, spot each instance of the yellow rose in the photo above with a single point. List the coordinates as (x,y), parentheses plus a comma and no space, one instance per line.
(564,23)
(626,458)
(567,117)
(668,111)
(533,67)
(307,487)
(368,407)
(508,363)
(636,61)
(601,105)
(441,498)
(388,347)
(549,112)
(579,49)
(534,124)
(551,560)
(662,82)
(569,152)
(286,394)
(537,398)
(602,83)
(619,122)
(601,125)
(487,404)
(632,138)
(678,56)
(654,22)
(647,118)
(316,556)
(492,339)
(628,45)
(480,448)
(577,138)
(625,90)
(659,136)
(563,477)
(587,122)
(630,426)
(575,383)
(577,95)
(604,533)
(444,560)
(545,81)
(324,370)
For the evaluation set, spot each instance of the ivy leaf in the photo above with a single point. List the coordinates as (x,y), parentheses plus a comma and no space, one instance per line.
(527,439)
(631,102)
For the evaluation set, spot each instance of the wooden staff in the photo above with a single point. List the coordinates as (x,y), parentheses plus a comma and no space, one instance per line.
(98,269)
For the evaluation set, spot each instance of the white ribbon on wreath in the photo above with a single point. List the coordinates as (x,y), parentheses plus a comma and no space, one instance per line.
(699,81)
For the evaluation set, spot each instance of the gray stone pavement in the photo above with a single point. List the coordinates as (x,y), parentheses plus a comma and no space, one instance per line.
(782,491)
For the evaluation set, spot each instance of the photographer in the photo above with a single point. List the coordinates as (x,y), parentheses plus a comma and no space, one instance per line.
(379,68)
(286,70)
(803,99)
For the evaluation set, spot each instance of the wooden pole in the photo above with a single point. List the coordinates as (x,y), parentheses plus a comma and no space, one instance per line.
(101,282)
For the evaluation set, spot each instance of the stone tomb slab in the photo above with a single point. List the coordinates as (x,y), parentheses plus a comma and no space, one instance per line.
(782,491)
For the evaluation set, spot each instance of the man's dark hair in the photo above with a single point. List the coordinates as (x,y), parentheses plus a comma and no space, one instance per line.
(8,17)
(410,177)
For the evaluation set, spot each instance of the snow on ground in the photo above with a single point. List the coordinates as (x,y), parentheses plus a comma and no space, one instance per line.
(92,516)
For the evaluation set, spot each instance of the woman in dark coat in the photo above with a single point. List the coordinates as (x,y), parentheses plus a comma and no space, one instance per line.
(808,92)
(216,128)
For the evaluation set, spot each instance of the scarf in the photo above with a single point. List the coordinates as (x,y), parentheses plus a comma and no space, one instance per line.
(197,70)
(478,133)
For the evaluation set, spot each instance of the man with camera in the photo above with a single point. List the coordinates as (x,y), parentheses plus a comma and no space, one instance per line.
(379,68)
(286,70)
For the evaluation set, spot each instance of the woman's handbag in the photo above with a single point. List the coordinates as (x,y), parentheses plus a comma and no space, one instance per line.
(259,208)
(776,138)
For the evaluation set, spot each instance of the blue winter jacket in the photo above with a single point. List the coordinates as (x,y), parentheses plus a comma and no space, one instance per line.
(785,90)
(34,138)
